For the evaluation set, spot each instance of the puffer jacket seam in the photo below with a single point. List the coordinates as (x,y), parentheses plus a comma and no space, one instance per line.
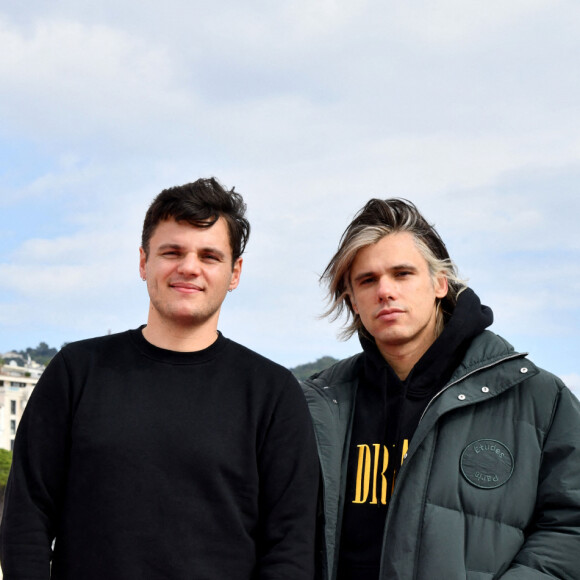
(534,427)
(552,416)
(421,519)
(488,572)
(553,413)
(464,512)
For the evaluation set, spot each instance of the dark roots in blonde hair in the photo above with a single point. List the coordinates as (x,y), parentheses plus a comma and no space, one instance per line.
(377,219)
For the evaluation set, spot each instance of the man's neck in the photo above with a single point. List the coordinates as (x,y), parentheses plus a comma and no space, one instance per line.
(403,359)
(179,338)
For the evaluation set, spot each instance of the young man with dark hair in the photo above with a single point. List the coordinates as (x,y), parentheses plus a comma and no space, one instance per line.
(167,452)
(445,454)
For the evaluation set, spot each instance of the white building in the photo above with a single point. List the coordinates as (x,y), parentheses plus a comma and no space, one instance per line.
(16,385)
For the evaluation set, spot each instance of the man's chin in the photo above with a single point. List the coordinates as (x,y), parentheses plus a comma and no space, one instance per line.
(391,339)
(193,319)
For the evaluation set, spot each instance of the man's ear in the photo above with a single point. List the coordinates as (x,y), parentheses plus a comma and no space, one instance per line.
(142,262)
(441,286)
(236,273)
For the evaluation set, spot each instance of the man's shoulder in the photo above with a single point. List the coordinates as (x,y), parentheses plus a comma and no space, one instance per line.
(246,357)
(489,349)
(97,344)
(77,360)
(344,371)
(548,382)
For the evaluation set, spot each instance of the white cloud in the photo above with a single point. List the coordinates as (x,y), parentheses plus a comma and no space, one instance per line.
(309,108)
(68,80)
(452,21)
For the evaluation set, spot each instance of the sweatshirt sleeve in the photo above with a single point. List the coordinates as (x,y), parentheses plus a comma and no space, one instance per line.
(289,479)
(552,546)
(34,492)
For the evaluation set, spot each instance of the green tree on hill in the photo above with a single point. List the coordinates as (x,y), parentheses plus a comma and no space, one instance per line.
(42,354)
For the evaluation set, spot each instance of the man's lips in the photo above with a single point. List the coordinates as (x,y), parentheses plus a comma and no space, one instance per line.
(389,314)
(185,287)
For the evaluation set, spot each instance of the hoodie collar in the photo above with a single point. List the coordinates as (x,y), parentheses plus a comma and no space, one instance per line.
(468,319)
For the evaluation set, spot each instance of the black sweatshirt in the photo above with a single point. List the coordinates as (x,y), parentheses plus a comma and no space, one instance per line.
(387,412)
(151,464)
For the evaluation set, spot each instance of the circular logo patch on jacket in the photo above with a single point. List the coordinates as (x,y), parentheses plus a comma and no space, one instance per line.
(487,463)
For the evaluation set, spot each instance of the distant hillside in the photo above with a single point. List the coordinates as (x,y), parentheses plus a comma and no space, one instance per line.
(41,354)
(302,372)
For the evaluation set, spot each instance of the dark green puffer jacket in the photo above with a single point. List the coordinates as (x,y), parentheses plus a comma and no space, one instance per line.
(490,486)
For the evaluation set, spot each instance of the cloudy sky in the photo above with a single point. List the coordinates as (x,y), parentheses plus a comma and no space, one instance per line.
(308,108)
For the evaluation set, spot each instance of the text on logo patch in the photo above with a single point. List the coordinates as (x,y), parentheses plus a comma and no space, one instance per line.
(487,463)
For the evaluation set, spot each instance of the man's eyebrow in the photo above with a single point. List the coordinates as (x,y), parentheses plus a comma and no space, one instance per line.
(212,250)
(395,268)
(362,275)
(169,246)
(404,267)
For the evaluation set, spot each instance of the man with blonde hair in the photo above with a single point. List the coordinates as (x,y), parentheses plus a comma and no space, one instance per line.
(445,454)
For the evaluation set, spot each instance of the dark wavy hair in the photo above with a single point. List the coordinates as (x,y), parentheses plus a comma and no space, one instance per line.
(201,204)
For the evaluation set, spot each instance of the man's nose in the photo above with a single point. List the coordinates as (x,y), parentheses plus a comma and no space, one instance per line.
(385,289)
(190,265)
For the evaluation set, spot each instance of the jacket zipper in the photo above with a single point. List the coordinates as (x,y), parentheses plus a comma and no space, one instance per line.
(511,357)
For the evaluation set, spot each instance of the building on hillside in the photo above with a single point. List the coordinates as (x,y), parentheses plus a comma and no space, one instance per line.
(16,385)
